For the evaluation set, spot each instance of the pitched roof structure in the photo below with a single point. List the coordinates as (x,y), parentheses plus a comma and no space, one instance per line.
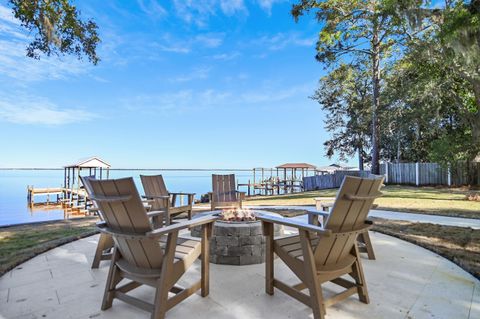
(297,166)
(90,162)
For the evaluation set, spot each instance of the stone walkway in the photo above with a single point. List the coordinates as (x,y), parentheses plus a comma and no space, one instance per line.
(417,218)
(406,281)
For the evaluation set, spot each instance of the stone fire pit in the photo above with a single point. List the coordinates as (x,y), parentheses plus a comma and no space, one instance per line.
(237,242)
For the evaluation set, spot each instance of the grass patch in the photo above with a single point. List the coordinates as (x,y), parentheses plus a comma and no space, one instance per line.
(424,200)
(22,242)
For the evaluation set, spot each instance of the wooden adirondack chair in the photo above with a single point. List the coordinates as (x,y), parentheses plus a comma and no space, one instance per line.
(363,240)
(157,258)
(318,255)
(155,190)
(224,194)
(105,244)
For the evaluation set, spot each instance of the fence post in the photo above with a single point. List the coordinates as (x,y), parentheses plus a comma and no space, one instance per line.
(386,173)
(417,174)
(449,175)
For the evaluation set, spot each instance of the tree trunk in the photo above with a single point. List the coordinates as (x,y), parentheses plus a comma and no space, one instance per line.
(376,99)
(472,171)
(399,150)
(476,121)
(360,158)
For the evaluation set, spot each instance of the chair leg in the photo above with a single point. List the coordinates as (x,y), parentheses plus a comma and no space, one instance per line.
(161,294)
(311,279)
(160,301)
(359,277)
(101,246)
(365,238)
(112,280)
(205,270)
(269,267)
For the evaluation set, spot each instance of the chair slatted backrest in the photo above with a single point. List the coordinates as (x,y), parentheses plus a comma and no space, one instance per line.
(127,216)
(223,187)
(155,186)
(349,213)
(88,188)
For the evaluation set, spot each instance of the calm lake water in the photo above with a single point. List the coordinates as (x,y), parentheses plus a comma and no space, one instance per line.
(13,189)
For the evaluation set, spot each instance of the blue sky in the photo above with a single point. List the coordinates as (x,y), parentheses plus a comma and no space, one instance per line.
(181,84)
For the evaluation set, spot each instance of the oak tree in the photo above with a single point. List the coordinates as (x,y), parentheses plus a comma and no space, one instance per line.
(57,28)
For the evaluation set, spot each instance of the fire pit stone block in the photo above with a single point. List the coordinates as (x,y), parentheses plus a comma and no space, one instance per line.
(237,243)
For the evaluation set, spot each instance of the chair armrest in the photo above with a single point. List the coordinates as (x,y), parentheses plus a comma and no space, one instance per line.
(180,193)
(156,196)
(156,213)
(102,226)
(148,201)
(111,199)
(294,224)
(187,224)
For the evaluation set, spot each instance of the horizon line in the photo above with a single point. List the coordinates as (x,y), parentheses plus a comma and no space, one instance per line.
(132,169)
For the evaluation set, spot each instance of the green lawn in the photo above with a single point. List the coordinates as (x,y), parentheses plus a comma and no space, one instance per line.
(425,200)
(20,243)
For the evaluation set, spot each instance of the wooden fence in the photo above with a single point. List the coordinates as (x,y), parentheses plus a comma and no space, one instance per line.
(334,180)
(460,173)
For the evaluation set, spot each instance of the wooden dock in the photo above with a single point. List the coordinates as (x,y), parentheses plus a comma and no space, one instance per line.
(66,197)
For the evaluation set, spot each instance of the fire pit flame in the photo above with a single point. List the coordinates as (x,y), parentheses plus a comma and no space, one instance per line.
(237,215)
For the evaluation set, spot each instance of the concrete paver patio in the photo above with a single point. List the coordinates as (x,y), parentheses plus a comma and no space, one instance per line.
(406,281)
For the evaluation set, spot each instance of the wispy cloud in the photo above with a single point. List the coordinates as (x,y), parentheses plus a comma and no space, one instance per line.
(268,4)
(200,73)
(280,41)
(26,109)
(176,102)
(190,100)
(226,56)
(152,8)
(231,7)
(275,94)
(15,64)
(7,15)
(210,40)
(198,12)
(195,12)
(169,43)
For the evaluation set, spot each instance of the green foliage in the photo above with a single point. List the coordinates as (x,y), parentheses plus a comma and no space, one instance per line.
(450,148)
(57,28)
(349,28)
(352,32)
(428,87)
(345,95)
(436,88)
